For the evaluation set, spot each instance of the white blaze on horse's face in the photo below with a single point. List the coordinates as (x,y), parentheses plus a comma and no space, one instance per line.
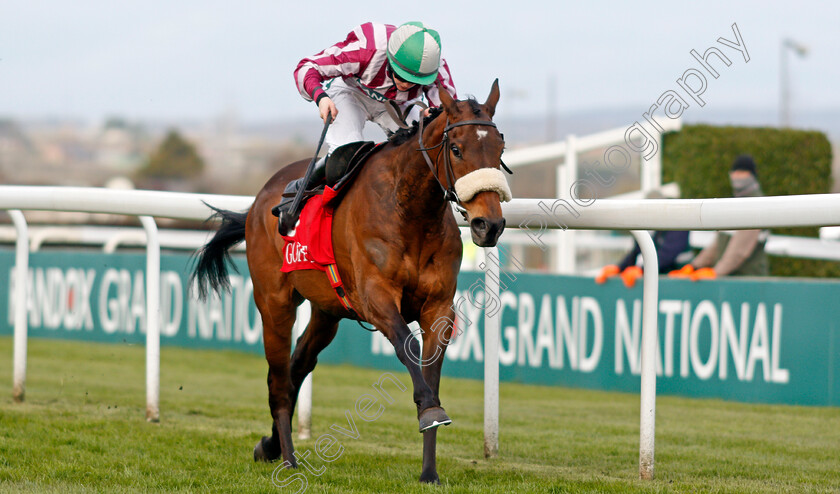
(481,134)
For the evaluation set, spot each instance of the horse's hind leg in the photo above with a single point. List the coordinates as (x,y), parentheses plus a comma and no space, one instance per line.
(278,312)
(319,333)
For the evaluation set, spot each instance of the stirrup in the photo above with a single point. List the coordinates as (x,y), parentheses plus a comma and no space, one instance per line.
(287,219)
(288,198)
(286,222)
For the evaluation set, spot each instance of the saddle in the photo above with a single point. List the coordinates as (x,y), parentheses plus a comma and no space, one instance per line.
(345,162)
(341,168)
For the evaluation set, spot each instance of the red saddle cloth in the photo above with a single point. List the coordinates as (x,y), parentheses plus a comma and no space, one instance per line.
(309,245)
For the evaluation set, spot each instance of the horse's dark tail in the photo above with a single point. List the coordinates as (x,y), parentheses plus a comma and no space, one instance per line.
(211,270)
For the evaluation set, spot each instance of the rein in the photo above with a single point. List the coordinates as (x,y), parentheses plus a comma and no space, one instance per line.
(449,193)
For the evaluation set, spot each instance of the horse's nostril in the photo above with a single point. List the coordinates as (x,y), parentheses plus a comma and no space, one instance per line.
(486,231)
(479,226)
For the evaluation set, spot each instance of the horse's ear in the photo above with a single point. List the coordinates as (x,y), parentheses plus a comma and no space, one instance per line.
(493,98)
(446,100)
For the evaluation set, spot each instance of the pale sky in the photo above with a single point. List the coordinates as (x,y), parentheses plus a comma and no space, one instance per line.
(165,59)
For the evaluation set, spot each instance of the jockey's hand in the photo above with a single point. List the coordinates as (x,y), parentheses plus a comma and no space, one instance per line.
(327,107)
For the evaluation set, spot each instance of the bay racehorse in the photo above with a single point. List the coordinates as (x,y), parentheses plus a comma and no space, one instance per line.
(398,251)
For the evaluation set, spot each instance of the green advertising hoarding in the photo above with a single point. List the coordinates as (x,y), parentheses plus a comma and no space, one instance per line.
(757,340)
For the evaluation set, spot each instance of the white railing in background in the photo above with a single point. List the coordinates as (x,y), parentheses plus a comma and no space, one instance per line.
(565,252)
(110,238)
(637,216)
(107,237)
(145,205)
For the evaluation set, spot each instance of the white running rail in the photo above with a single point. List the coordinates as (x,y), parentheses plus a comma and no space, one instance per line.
(537,216)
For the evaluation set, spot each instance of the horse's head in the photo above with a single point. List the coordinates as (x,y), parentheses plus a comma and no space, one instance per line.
(472,156)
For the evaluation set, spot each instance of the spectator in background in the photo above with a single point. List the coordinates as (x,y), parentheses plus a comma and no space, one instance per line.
(739,253)
(669,247)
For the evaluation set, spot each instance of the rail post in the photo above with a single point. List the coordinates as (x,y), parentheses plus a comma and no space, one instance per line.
(152,319)
(492,328)
(21,328)
(650,305)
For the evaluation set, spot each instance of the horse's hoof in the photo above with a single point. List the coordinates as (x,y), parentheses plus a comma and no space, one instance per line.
(261,451)
(259,454)
(429,478)
(433,417)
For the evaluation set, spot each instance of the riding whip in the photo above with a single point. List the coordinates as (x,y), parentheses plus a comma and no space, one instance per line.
(294,209)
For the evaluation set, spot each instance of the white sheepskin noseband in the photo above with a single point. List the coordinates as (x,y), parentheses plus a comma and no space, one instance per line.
(480,180)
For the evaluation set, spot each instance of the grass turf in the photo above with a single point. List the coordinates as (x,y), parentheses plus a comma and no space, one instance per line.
(82,429)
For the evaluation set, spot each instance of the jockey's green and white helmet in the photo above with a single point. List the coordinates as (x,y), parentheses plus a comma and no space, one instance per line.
(414,53)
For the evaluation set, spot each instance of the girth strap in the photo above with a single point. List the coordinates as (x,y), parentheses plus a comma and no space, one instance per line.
(338,286)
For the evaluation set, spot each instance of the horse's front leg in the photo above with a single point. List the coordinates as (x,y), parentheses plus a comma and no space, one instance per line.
(382,310)
(437,322)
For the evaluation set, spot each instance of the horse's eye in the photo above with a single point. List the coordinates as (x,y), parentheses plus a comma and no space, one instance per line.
(456,151)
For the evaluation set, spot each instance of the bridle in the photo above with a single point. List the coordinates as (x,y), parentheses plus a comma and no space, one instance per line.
(449,193)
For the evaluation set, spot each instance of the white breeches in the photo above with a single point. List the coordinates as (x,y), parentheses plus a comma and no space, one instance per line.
(354,110)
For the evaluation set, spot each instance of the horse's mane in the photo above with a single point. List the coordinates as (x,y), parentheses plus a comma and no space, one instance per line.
(403,135)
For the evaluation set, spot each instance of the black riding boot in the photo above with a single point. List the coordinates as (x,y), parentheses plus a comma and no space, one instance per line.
(287,220)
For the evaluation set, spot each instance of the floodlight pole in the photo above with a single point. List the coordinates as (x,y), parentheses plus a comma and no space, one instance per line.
(784,78)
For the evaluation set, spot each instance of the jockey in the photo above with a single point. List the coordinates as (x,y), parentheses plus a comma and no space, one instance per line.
(376,66)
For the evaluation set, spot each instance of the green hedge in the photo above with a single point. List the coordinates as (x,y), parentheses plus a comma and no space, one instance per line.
(788,161)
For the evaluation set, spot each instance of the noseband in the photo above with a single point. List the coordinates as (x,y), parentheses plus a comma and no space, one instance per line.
(449,193)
